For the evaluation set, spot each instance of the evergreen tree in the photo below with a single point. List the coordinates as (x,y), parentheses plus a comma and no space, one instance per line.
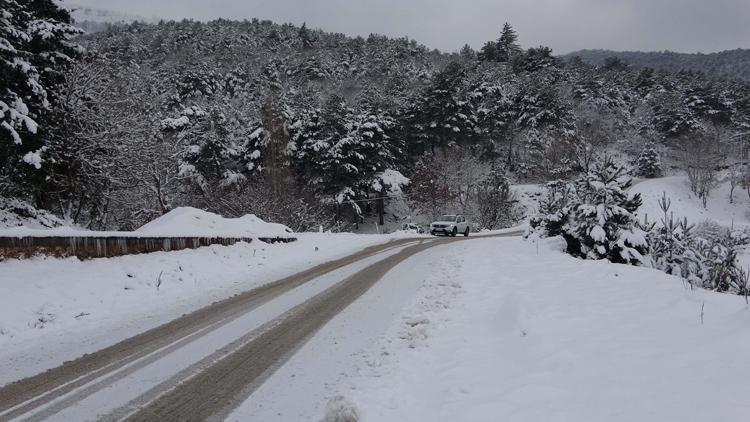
(35,48)
(507,45)
(306,36)
(488,52)
(599,222)
(442,116)
(649,163)
(534,59)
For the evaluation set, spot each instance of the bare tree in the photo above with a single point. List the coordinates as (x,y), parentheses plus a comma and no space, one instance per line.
(702,154)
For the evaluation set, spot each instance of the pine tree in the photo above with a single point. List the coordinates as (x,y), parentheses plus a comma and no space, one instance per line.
(34,49)
(534,60)
(596,216)
(488,52)
(306,36)
(649,163)
(507,44)
(442,116)
(604,225)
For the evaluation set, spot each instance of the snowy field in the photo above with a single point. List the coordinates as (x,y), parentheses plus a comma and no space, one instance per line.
(57,309)
(507,330)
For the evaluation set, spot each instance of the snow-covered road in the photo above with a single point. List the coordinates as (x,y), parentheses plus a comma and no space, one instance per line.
(443,330)
(155,373)
(515,332)
(120,374)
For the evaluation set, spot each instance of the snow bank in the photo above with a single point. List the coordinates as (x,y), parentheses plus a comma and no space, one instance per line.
(187,221)
(180,222)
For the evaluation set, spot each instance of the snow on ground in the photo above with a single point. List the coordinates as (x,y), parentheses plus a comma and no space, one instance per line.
(187,221)
(548,337)
(180,222)
(510,330)
(687,204)
(16,213)
(53,309)
(528,197)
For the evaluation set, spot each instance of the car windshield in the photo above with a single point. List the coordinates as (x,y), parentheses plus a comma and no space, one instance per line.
(447,218)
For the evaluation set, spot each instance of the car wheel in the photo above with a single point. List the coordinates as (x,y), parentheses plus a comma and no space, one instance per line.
(455,232)
(466,232)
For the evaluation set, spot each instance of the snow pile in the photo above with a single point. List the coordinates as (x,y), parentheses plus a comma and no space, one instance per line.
(186,221)
(15,213)
(180,222)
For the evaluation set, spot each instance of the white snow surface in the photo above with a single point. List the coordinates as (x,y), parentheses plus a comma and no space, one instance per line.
(15,213)
(686,204)
(512,330)
(52,309)
(187,221)
(180,222)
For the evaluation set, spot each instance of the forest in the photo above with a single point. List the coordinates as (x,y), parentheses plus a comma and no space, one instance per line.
(314,129)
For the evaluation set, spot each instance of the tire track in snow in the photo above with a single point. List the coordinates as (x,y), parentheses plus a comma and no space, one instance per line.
(21,397)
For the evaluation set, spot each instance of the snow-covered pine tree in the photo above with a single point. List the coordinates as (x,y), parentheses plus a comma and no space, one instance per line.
(649,163)
(35,46)
(603,225)
(442,115)
(210,154)
(598,221)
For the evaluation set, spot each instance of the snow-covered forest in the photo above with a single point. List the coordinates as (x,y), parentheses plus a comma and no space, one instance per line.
(309,128)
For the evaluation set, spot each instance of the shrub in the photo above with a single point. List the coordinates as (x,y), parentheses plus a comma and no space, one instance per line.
(596,216)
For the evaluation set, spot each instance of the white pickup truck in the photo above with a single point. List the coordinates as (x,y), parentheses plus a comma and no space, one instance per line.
(450,225)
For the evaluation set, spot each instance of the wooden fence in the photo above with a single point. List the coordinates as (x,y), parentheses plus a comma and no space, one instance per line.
(86,247)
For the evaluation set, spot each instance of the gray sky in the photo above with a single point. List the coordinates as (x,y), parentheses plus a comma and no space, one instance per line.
(565,25)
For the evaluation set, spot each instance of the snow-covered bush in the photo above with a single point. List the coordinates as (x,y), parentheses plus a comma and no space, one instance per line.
(702,255)
(596,216)
(649,163)
(14,213)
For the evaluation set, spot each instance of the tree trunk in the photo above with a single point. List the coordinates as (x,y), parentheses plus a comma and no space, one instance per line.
(381,210)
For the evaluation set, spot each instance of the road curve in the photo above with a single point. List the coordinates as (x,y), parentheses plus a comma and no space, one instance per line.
(212,387)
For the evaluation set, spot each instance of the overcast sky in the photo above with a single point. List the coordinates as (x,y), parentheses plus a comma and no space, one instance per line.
(565,25)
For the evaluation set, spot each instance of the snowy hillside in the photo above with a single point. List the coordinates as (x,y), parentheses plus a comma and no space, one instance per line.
(687,204)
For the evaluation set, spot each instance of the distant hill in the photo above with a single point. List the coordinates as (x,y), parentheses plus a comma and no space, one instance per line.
(93,20)
(734,64)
